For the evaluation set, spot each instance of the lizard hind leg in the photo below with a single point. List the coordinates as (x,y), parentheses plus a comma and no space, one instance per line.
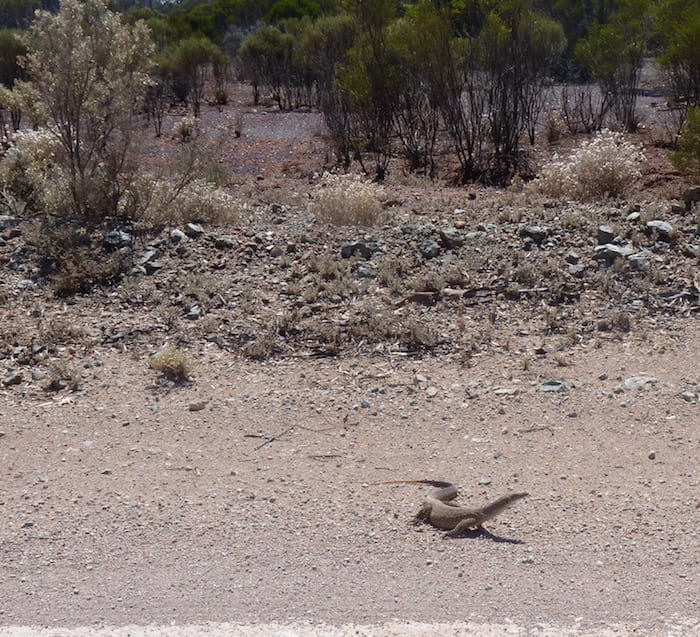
(467,526)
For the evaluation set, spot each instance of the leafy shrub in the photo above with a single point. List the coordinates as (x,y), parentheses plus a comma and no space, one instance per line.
(687,156)
(174,363)
(605,166)
(347,200)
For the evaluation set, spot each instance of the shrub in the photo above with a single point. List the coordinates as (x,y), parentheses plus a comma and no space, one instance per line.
(687,156)
(169,202)
(186,129)
(174,363)
(27,169)
(605,166)
(347,200)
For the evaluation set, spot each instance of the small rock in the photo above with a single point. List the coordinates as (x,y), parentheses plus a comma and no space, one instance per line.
(429,249)
(605,235)
(276,252)
(354,249)
(637,383)
(576,270)
(431,391)
(506,391)
(117,239)
(554,386)
(365,271)
(633,216)
(223,243)
(662,229)
(485,480)
(652,455)
(198,406)
(609,252)
(691,397)
(572,257)
(194,312)
(537,233)
(153,266)
(451,239)
(177,236)
(692,250)
(194,230)
(14,378)
(640,260)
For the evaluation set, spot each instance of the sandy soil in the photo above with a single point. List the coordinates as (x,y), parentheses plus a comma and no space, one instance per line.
(124,504)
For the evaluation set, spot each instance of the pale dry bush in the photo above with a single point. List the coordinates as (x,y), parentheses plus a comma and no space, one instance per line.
(347,200)
(29,173)
(186,129)
(173,362)
(165,202)
(605,166)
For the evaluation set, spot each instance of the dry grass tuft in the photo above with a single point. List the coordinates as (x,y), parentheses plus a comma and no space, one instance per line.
(174,363)
(347,200)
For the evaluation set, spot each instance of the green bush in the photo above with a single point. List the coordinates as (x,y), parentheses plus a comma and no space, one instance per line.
(687,156)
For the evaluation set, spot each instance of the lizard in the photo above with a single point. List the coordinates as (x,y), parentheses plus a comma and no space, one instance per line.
(439,509)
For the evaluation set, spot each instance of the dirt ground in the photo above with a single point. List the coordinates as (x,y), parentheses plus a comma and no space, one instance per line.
(123,505)
(253,493)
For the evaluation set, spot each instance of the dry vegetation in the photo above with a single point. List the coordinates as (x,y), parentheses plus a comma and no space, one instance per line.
(281,258)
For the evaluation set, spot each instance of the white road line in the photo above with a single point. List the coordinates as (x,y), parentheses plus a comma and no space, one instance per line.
(689,628)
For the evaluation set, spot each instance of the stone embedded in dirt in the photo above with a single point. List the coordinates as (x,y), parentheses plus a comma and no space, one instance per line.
(117,239)
(429,248)
(194,230)
(611,251)
(365,271)
(355,249)
(572,257)
(633,216)
(605,235)
(639,260)
(431,391)
(554,386)
(276,251)
(640,382)
(223,243)
(537,233)
(506,391)
(662,229)
(691,397)
(451,239)
(177,236)
(194,312)
(14,378)
(198,406)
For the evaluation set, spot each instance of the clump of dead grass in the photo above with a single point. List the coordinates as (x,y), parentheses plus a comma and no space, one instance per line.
(174,363)
(605,166)
(347,200)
